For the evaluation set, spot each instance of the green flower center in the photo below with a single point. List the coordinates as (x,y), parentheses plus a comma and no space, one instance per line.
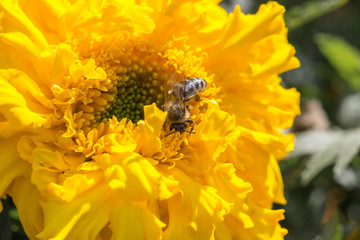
(130,98)
(137,82)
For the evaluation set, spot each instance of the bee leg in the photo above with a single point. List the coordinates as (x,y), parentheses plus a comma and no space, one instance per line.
(191,98)
(189,121)
(195,97)
(189,131)
(170,133)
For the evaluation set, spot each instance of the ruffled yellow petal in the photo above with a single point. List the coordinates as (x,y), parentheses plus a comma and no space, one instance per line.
(50,159)
(256,166)
(199,23)
(45,14)
(197,212)
(234,190)
(102,17)
(64,59)
(133,177)
(276,106)
(11,166)
(267,224)
(218,130)
(75,219)
(150,131)
(20,108)
(22,43)
(267,23)
(26,198)
(134,221)
(14,20)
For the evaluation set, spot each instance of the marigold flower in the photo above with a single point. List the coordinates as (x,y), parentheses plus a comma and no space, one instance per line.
(83,136)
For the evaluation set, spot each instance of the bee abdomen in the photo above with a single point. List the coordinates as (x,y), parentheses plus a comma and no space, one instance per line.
(194,85)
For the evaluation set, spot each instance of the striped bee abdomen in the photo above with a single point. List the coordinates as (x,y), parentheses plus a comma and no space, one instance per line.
(193,86)
(188,88)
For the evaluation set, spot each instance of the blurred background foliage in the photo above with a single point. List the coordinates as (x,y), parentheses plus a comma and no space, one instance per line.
(322,174)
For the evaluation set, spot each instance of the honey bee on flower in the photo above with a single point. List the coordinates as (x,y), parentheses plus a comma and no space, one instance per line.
(178,111)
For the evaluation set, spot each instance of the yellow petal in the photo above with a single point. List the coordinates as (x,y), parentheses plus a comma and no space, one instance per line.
(42,176)
(75,219)
(262,48)
(45,15)
(150,131)
(217,129)
(267,223)
(132,176)
(73,184)
(258,167)
(103,17)
(11,165)
(14,20)
(50,159)
(134,221)
(14,103)
(197,211)
(63,59)
(234,190)
(199,22)
(120,143)
(21,43)
(27,201)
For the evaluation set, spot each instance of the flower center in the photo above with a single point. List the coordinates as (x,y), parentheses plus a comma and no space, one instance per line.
(138,73)
(139,83)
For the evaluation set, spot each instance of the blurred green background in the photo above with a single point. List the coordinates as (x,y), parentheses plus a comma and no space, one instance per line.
(322,174)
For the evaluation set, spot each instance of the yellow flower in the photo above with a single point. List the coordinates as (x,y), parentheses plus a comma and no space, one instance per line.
(83,139)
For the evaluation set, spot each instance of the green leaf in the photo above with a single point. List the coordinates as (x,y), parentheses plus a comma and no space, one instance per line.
(299,15)
(344,57)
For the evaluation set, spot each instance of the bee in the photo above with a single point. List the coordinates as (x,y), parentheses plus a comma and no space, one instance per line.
(178,111)
(187,89)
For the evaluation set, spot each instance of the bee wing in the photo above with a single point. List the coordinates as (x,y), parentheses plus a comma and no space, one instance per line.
(166,89)
(177,79)
(183,107)
(168,85)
